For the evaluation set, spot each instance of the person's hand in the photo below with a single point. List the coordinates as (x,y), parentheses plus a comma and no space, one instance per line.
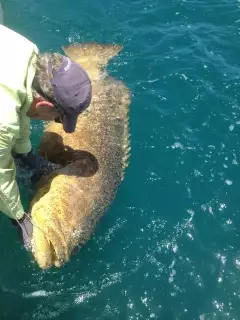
(25,230)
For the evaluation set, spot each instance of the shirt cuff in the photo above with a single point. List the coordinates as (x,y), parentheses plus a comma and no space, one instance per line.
(17,215)
(23,147)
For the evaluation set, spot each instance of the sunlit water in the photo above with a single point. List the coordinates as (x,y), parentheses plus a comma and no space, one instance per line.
(168,248)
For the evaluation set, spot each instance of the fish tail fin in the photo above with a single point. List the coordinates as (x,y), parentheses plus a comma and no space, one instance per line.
(92,56)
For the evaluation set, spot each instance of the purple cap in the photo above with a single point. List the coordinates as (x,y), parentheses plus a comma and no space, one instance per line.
(72,90)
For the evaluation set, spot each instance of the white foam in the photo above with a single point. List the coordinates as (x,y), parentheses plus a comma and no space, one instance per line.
(39,293)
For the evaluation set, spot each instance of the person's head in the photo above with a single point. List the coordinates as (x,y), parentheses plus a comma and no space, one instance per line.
(61,90)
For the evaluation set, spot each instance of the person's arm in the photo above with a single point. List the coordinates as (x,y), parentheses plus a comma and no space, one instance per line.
(10,202)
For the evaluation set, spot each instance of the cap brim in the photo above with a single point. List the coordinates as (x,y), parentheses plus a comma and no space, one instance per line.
(69,123)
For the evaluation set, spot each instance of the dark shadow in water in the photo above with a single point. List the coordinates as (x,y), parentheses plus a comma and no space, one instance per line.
(57,152)
(78,163)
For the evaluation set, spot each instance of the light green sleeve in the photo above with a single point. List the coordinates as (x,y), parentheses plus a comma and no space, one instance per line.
(10,202)
(23,144)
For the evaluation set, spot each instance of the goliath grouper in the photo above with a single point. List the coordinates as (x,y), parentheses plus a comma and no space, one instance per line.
(70,201)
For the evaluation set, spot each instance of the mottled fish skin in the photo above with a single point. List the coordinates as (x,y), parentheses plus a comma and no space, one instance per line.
(70,201)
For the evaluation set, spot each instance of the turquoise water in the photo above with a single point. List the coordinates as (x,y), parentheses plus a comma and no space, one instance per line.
(168,248)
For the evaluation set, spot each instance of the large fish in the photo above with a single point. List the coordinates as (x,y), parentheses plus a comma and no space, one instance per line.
(70,201)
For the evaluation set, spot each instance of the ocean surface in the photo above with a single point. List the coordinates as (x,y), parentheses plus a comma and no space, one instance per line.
(169,246)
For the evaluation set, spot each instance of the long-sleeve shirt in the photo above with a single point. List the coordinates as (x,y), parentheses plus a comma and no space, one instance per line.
(17,69)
